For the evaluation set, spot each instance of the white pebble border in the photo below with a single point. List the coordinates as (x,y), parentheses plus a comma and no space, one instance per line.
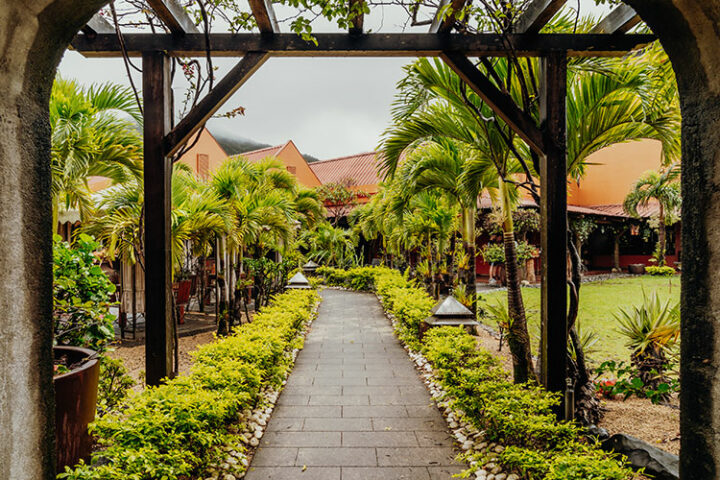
(251,424)
(482,456)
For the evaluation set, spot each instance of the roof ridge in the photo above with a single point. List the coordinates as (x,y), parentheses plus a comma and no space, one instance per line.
(263,149)
(372,152)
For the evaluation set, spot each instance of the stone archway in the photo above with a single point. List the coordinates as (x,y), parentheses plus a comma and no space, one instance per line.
(689,30)
(35,34)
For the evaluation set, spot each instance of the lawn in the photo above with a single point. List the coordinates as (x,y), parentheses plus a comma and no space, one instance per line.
(599,301)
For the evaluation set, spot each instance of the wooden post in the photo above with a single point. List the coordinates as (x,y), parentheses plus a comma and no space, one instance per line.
(159,340)
(553,210)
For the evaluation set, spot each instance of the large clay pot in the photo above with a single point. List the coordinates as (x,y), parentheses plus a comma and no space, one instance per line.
(75,402)
(636,268)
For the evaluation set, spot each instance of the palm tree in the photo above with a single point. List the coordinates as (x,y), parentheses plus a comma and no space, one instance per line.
(94,133)
(330,245)
(662,187)
(607,103)
(445,108)
(441,165)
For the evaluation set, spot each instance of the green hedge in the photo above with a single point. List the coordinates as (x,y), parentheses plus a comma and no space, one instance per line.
(179,429)
(358,278)
(663,271)
(517,416)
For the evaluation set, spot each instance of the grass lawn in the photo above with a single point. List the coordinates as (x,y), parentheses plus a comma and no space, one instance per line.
(598,303)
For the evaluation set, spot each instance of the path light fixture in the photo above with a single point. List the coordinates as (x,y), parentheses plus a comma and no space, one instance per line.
(310,267)
(298,282)
(449,313)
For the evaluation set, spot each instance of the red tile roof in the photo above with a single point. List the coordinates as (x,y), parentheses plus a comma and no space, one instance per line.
(257,155)
(362,169)
(615,210)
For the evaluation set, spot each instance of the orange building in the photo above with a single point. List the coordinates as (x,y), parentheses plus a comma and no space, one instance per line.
(291,157)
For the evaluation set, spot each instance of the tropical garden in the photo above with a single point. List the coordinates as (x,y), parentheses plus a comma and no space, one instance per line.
(453,172)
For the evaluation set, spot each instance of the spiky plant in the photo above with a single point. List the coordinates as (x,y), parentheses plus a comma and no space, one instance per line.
(652,329)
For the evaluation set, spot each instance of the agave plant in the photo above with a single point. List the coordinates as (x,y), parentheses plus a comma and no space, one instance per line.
(652,329)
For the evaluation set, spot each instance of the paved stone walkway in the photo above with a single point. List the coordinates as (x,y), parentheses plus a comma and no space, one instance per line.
(354,407)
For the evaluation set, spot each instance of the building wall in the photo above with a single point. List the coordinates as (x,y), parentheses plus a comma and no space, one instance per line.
(206,155)
(296,164)
(613,171)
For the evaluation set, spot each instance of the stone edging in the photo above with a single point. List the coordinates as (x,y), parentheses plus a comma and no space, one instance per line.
(467,437)
(234,466)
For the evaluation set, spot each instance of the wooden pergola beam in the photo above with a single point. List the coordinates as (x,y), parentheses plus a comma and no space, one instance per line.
(174,16)
(214,99)
(502,104)
(264,15)
(98,26)
(357,21)
(443,23)
(536,15)
(620,20)
(366,45)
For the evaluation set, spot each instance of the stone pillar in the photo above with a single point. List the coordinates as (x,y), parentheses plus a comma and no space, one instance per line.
(688,30)
(34,36)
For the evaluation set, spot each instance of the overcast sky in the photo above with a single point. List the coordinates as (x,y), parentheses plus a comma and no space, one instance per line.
(329,107)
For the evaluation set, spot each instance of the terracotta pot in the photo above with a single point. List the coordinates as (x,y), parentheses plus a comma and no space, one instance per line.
(75,402)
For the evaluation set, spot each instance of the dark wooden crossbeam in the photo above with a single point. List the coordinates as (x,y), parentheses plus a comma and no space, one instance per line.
(536,15)
(367,45)
(357,22)
(174,16)
(214,99)
(98,26)
(620,20)
(264,15)
(443,23)
(502,104)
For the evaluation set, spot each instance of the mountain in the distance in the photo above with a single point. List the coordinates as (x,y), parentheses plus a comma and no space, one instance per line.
(238,145)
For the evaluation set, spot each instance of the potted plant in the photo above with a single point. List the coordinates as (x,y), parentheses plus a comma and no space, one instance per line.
(83,327)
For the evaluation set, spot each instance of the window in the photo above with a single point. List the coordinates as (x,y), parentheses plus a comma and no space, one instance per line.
(202,165)
(291,169)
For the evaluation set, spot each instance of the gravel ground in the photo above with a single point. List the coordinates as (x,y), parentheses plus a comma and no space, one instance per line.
(656,424)
(134,357)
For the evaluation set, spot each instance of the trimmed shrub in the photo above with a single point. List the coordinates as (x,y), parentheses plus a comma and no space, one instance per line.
(519,417)
(663,271)
(358,278)
(175,431)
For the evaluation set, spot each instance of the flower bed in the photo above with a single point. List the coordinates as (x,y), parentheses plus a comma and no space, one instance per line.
(507,431)
(202,424)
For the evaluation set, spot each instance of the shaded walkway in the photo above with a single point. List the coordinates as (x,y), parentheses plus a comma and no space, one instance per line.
(354,407)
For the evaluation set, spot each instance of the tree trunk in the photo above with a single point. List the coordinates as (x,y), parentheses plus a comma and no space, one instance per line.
(470,274)
(661,245)
(587,405)
(518,338)
(616,252)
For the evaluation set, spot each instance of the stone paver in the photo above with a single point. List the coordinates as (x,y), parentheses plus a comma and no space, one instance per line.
(354,406)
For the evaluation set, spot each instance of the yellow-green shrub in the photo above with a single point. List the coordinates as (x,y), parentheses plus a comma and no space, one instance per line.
(176,430)
(358,278)
(517,416)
